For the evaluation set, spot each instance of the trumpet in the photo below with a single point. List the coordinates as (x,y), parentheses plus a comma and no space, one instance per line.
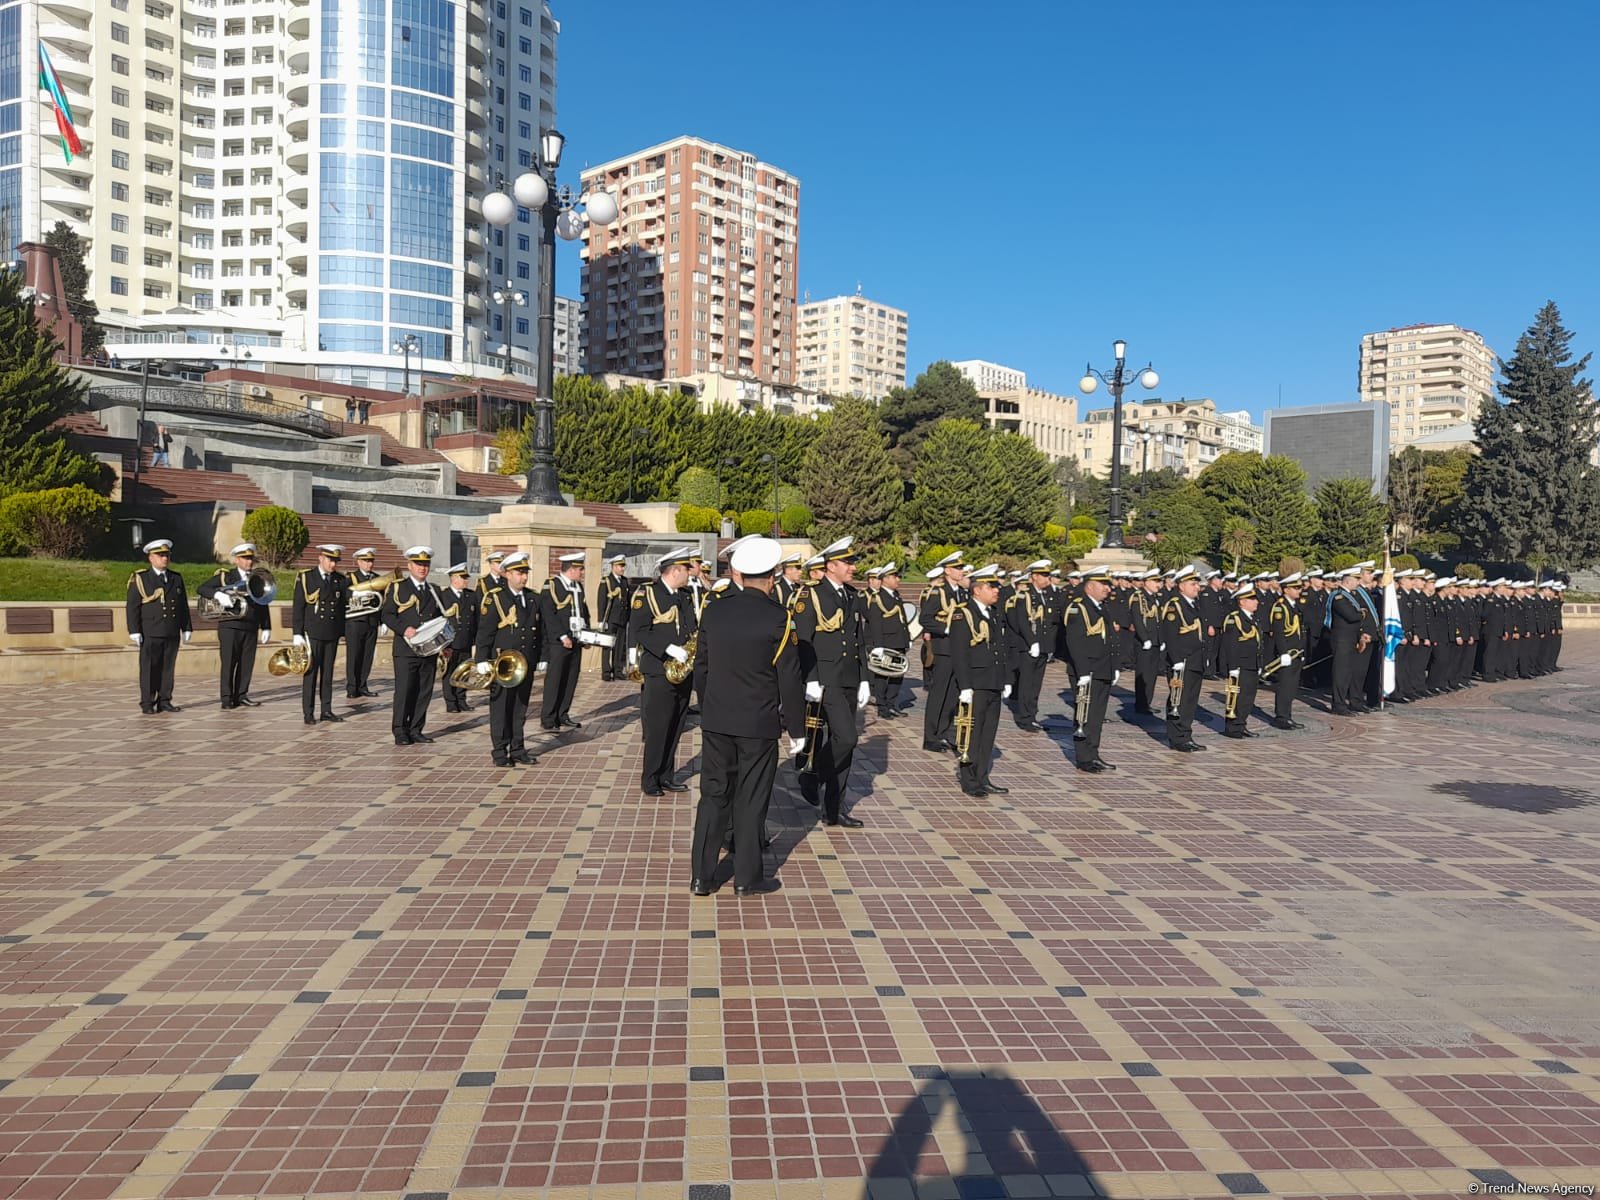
(806,764)
(1174,692)
(289,660)
(510,669)
(635,675)
(963,725)
(676,671)
(259,588)
(366,597)
(1273,667)
(1230,697)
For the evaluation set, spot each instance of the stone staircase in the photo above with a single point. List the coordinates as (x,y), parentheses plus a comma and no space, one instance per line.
(352,533)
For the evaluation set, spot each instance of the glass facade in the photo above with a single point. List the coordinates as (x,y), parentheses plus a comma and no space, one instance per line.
(11,230)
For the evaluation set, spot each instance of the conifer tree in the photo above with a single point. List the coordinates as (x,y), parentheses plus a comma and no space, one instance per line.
(850,483)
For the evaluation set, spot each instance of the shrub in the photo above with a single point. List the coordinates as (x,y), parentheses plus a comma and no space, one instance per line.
(1340,561)
(698,486)
(789,496)
(1084,521)
(796,519)
(755,520)
(1468,571)
(1404,562)
(1289,564)
(55,523)
(695,518)
(1081,542)
(932,554)
(1054,533)
(279,534)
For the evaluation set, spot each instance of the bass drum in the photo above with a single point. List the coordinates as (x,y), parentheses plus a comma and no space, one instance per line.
(432,637)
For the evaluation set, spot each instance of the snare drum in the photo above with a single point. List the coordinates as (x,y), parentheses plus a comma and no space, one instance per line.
(591,637)
(432,637)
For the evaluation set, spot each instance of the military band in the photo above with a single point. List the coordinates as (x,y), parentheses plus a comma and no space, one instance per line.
(408,605)
(831,630)
(564,611)
(159,622)
(508,621)
(459,606)
(615,595)
(660,627)
(1091,660)
(980,668)
(321,596)
(939,604)
(244,622)
(361,632)
(887,629)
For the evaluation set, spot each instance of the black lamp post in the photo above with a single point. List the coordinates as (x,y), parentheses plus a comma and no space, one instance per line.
(559,216)
(405,346)
(509,297)
(636,437)
(777,523)
(1116,381)
(1145,438)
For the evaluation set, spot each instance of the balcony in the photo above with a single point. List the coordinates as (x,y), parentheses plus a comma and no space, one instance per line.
(299,58)
(295,220)
(299,25)
(66,35)
(297,188)
(298,90)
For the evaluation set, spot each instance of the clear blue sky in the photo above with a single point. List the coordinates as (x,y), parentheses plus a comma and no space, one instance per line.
(1239,189)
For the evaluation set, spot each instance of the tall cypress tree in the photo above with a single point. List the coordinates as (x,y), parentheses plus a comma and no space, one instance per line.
(35,390)
(851,484)
(956,501)
(75,281)
(1532,492)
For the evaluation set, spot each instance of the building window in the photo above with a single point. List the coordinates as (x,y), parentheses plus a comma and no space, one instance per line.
(119,286)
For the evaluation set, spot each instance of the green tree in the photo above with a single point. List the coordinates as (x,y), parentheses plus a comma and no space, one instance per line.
(1185,522)
(1531,490)
(1350,519)
(279,534)
(35,391)
(75,282)
(955,498)
(1082,493)
(1238,539)
(1270,494)
(699,486)
(909,414)
(1028,495)
(851,486)
(594,435)
(1425,491)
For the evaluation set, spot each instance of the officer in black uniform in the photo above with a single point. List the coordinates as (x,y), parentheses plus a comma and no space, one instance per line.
(982,672)
(788,585)
(242,627)
(361,633)
(886,627)
(754,690)
(1092,647)
(615,594)
(1241,651)
(1214,602)
(564,611)
(1187,650)
(460,606)
(1145,609)
(833,653)
(508,619)
(1027,620)
(494,575)
(408,604)
(320,598)
(660,622)
(1288,643)
(158,622)
(1352,627)
(939,604)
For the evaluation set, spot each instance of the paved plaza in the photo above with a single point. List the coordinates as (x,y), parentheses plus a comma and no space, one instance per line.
(243,957)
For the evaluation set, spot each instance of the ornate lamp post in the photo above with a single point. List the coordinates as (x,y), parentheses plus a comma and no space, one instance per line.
(1116,381)
(509,297)
(405,346)
(560,216)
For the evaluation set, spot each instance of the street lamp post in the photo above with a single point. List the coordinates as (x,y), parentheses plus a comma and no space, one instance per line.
(560,216)
(405,346)
(1116,381)
(777,523)
(1145,438)
(509,297)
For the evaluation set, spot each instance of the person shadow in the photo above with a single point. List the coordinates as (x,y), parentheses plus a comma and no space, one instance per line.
(1007,1133)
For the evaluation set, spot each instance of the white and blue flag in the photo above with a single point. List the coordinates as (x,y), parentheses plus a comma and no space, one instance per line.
(1393,635)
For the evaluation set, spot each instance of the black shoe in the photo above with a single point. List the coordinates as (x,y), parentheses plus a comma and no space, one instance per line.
(332,718)
(1191,748)
(1234,733)
(149,712)
(499,762)
(994,789)
(568,723)
(1094,766)
(668,785)
(421,737)
(699,887)
(309,720)
(450,708)
(607,678)
(1250,733)
(369,693)
(227,704)
(975,793)
(1104,765)
(402,740)
(1031,727)
(352,695)
(650,791)
(844,821)
(525,758)
(167,706)
(1284,723)
(763,888)
(247,702)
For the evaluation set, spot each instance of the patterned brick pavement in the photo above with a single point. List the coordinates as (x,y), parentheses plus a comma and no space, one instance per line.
(243,958)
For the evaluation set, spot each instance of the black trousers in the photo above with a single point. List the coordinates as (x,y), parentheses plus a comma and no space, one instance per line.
(940,701)
(1147,669)
(836,752)
(886,692)
(1180,722)
(318,678)
(158,660)
(1285,684)
(237,643)
(1092,701)
(360,644)
(560,682)
(1029,682)
(736,775)
(614,659)
(508,713)
(1349,675)
(974,773)
(413,690)
(662,708)
(1249,684)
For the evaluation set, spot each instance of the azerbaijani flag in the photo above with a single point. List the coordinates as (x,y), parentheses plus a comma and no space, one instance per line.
(1393,635)
(70,142)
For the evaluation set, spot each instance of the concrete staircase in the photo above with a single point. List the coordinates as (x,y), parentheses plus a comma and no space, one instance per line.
(352,533)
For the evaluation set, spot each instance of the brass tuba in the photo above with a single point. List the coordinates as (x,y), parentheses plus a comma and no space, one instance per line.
(677,671)
(260,588)
(366,597)
(289,660)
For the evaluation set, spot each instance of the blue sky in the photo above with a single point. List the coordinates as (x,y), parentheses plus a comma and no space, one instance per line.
(1238,189)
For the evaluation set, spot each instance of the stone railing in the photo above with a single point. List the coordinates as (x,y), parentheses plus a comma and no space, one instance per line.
(215,401)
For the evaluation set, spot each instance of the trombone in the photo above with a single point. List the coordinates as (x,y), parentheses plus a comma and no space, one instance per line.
(963,724)
(806,762)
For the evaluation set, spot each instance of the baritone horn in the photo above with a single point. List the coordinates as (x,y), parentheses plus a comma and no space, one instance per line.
(510,668)
(259,588)
(289,660)
(366,597)
(676,671)
(889,663)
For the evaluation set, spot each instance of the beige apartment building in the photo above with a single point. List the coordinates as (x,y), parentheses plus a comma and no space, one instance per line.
(1431,376)
(1045,419)
(698,273)
(989,376)
(852,346)
(1184,435)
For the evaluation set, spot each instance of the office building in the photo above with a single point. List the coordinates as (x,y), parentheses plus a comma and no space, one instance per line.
(1430,376)
(276,182)
(1184,435)
(1045,419)
(989,377)
(852,346)
(698,273)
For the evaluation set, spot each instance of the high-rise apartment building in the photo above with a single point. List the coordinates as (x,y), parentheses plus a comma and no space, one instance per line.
(569,314)
(299,181)
(852,346)
(1431,376)
(991,377)
(13,14)
(1186,436)
(698,272)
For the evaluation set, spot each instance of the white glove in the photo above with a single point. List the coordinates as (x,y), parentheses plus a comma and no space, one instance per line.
(1233,674)
(873,651)
(483,668)
(1005,692)
(1177,668)
(965,697)
(1147,645)
(265,637)
(1033,650)
(1285,660)
(1083,681)
(299,639)
(136,638)
(797,746)
(813,691)
(1115,675)
(861,694)
(677,654)
(228,602)
(187,634)
(540,668)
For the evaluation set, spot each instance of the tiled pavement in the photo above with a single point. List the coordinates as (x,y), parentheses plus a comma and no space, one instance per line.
(240,957)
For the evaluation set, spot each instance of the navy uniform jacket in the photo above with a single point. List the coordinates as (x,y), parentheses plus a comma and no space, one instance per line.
(886,620)
(615,592)
(1240,647)
(557,605)
(319,604)
(1146,609)
(406,607)
(158,607)
(658,617)
(503,624)
(1183,634)
(831,630)
(939,604)
(1349,617)
(1287,629)
(249,613)
(1091,640)
(1027,617)
(978,649)
(360,576)
(462,609)
(754,685)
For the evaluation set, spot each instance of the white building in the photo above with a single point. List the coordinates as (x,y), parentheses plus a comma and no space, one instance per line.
(1239,432)
(569,315)
(291,183)
(1431,376)
(990,377)
(852,346)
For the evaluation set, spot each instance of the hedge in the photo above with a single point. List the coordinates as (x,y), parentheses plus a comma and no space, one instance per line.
(55,523)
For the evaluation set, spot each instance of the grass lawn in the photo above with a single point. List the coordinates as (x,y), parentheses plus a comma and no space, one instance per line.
(83,579)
